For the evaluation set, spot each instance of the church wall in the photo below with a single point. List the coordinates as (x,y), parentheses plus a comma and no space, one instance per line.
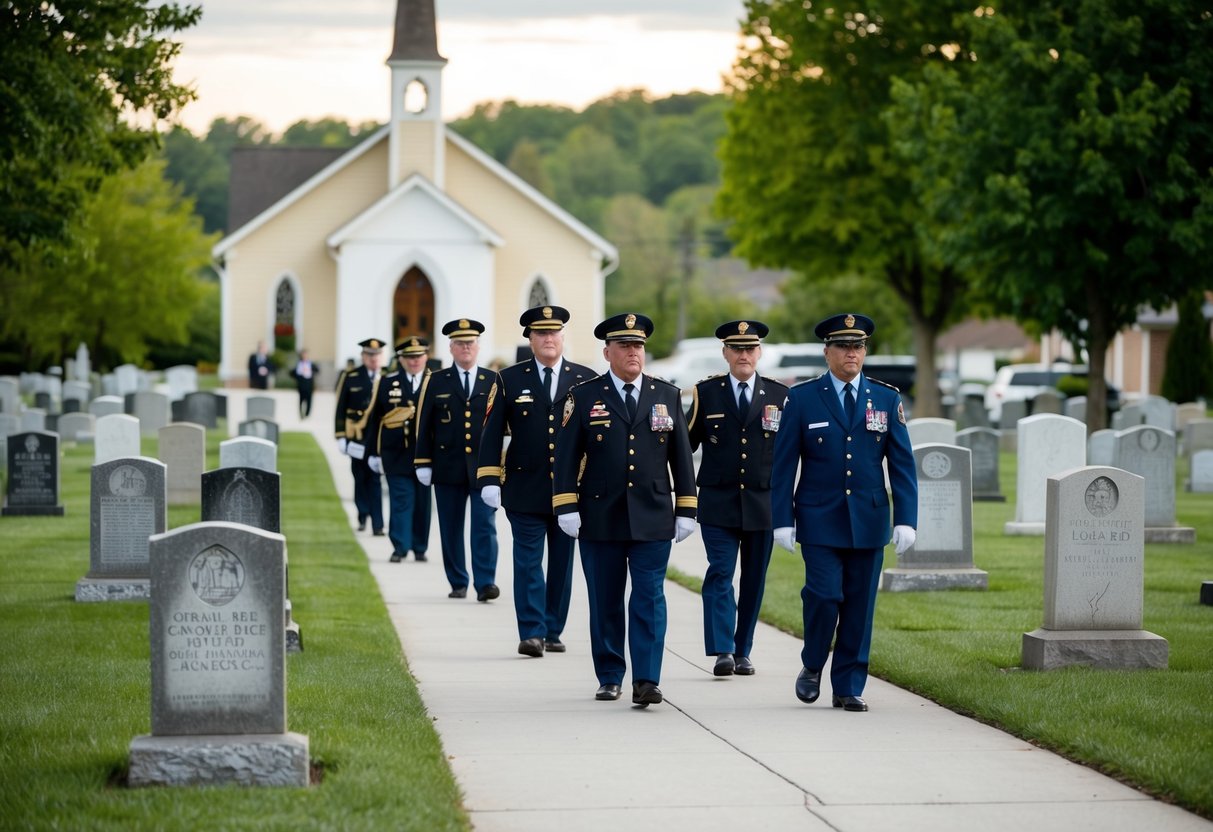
(417,149)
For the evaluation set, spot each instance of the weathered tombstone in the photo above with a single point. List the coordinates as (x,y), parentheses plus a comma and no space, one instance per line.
(77,391)
(33,419)
(127,378)
(1198,436)
(1075,407)
(76,427)
(82,369)
(942,554)
(259,407)
(973,412)
(1187,412)
(152,410)
(248,452)
(1200,480)
(1012,412)
(930,430)
(116,437)
(1094,575)
(1131,414)
(43,402)
(218,662)
(1150,452)
(1047,443)
(106,406)
(182,380)
(1101,447)
(10,395)
(263,428)
(183,450)
(983,445)
(128,505)
(71,406)
(32,484)
(1158,412)
(1046,402)
(109,385)
(201,408)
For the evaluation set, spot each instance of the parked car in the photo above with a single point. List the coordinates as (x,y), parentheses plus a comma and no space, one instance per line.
(1021,382)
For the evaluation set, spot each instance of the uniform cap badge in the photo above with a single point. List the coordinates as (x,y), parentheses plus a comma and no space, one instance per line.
(849,320)
(629,321)
(742,327)
(547,311)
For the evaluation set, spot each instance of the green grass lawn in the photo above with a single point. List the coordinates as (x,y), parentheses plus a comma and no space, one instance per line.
(76,688)
(962,649)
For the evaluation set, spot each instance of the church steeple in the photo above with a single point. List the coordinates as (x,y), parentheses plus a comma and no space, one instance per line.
(418,134)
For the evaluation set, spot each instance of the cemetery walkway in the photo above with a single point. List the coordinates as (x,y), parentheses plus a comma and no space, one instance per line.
(532,750)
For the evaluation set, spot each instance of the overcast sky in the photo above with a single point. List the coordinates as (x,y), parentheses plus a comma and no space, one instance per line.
(284,60)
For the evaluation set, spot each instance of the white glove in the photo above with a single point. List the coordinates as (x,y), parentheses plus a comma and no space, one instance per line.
(570,523)
(491,494)
(375,464)
(785,536)
(684,527)
(903,538)
(341,443)
(424,475)
(355,449)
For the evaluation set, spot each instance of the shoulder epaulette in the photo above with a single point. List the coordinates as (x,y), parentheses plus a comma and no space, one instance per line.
(663,381)
(776,381)
(812,380)
(883,384)
(710,378)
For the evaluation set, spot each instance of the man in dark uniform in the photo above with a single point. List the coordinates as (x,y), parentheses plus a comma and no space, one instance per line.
(623,435)
(450,418)
(735,417)
(522,406)
(356,390)
(393,436)
(840,427)
(260,368)
(304,373)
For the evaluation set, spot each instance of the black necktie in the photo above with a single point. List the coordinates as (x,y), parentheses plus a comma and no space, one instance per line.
(630,400)
(547,382)
(743,399)
(848,402)
(467,386)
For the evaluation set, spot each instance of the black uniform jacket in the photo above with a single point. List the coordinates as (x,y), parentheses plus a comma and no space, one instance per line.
(738,451)
(392,429)
(355,392)
(520,407)
(616,473)
(449,426)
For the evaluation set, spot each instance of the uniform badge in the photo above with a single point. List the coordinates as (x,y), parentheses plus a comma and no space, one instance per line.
(598,411)
(901,414)
(770,418)
(488,408)
(568,411)
(877,420)
(660,419)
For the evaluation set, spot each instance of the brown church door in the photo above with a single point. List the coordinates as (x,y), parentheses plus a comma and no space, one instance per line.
(414,307)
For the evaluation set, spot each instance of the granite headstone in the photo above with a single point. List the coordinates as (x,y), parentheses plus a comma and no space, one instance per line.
(1150,452)
(116,437)
(31,486)
(248,452)
(183,450)
(128,504)
(1047,443)
(983,445)
(263,428)
(930,430)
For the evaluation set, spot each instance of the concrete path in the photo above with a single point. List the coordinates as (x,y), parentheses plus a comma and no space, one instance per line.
(532,749)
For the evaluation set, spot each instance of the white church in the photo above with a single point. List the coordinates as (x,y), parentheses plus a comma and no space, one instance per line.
(411,228)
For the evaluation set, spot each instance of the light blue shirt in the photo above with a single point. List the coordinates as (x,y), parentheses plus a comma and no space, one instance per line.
(839,385)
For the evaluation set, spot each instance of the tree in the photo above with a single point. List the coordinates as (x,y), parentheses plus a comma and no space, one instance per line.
(201,172)
(325,132)
(587,170)
(1189,372)
(809,177)
(77,79)
(1072,162)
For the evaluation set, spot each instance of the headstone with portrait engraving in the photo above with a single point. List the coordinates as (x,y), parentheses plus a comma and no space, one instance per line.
(1047,443)
(218,662)
(31,486)
(1094,575)
(1150,452)
(942,554)
(183,450)
(128,504)
(983,444)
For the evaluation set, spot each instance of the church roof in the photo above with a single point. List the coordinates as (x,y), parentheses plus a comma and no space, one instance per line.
(416,37)
(260,176)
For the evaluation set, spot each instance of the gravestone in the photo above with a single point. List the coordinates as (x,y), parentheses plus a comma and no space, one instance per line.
(1206,593)
(201,408)
(9,424)
(1046,402)
(1048,443)
(183,450)
(109,385)
(182,380)
(1094,575)
(33,419)
(1012,412)
(1200,480)
(1150,452)
(106,406)
(126,377)
(77,391)
(10,395)
(1187,412)
(262,428)
(1158,412)
(116,437)
(942,554)
(1129,415)
(930,430)
(218,664)
(76,427)
(128,504)
(1075,407)
(1198,436)
(31,486)
(152,410)
(1101,447)
(72,405)
(82,369)
(259,407)
(983,445)
(248,452)
(43,402)
(973,412)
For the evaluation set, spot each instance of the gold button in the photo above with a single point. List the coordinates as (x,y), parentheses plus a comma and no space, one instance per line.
(629,485)
(551,430)
(631,467)
(743,470)
(467,424)
(467,450)
(551,447)
(551,417)
(467,414)
(631,451)
(467,436)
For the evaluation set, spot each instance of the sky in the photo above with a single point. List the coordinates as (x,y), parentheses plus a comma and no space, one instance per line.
(280,61)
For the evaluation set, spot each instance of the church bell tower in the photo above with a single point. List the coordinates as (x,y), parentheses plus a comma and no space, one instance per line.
(417,139)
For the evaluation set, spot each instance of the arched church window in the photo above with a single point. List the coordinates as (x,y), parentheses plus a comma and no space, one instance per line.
(539,295)
(284,317)
(416,96)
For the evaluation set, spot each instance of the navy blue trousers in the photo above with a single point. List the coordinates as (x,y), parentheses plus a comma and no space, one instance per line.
(541,605)
(729,621)
(409,522)
(839,598)
(452,503)
(607,566)
(368,493)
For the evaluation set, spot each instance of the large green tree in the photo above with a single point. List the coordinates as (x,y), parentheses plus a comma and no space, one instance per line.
(1072,161)
(809,177)
(82,86)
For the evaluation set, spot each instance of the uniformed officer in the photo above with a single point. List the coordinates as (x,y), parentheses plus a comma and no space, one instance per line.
(842,428)
(628,433)
(521,480)
(393,431)
(356,391)
(450,418)
(735,417)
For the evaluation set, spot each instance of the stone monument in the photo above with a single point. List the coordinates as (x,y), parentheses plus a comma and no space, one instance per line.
(1047,443)
(1150,452)
(128,504)
(983,444)
(31,486)
(183,450)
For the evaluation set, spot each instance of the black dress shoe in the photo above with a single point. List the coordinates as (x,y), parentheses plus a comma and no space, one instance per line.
(420,557)
(553,645)
(396,557)
(607,693)
(379,532)
(808,685)
(461,592)
(531,647)
(361,525)
(724,665)
(744,667)
(488,593)
(850,703)
(645,694)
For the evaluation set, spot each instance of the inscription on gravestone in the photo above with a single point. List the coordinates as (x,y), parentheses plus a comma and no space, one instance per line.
(127,505)
(32,485)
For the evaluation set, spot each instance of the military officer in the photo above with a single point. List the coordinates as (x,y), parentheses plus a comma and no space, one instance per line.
(622,436)
(393,431)
(522,406)
(450,418)
(356,390)
(842,428)
(735,418)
